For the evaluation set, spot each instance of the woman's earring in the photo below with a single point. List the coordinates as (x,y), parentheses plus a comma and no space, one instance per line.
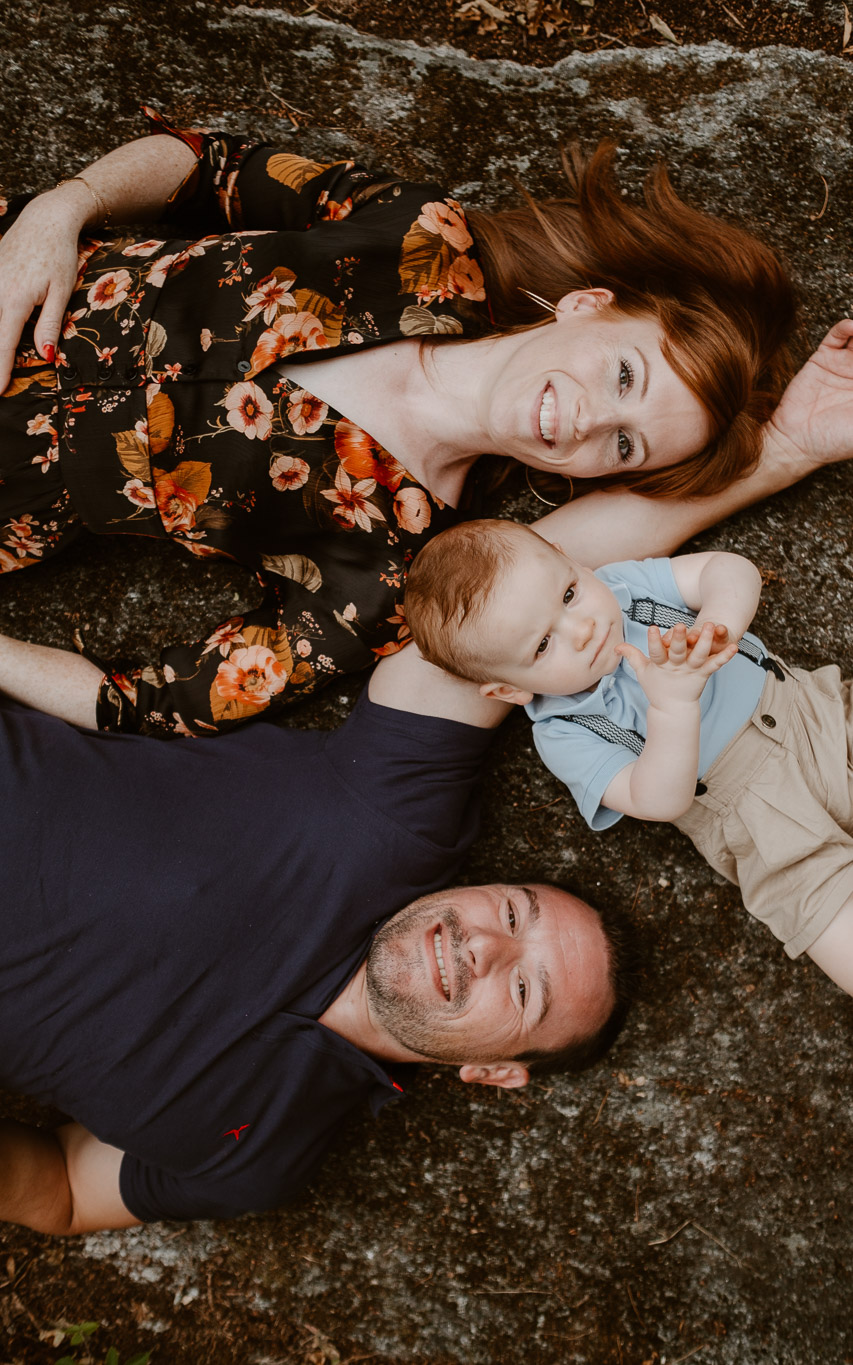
(537,298)
(547,501)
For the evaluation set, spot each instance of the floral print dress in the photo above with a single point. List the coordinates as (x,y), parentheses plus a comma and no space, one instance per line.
(166,415)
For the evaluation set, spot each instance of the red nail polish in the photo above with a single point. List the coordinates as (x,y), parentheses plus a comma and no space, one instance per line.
(49,354)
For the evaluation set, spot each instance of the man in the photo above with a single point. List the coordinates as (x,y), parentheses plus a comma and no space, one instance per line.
(201,963)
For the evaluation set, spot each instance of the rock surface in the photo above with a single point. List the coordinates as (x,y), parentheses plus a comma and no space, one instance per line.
(690,1196)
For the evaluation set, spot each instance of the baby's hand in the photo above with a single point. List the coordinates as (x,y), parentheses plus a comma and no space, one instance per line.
(720,640)
(676,671)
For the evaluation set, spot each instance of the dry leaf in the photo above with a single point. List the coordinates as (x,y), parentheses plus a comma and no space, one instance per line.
(848,29)
(663,29)
(485,7)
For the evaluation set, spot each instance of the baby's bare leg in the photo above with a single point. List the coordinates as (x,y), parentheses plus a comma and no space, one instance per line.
(833,949)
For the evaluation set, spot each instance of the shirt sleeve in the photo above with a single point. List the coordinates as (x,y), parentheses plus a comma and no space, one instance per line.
(239,183)
(283,651)
(585,762)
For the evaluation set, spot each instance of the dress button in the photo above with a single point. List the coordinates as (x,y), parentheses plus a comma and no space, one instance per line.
(71,372)
(191,369)
(105,370)
(244,366)
(769,722)
(131,374)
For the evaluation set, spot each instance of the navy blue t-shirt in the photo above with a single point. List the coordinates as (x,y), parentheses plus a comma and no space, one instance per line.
(177,916)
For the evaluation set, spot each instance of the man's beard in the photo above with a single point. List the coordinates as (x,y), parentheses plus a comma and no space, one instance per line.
(407,1007)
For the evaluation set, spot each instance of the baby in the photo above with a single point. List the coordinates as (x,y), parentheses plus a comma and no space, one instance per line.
(640,679)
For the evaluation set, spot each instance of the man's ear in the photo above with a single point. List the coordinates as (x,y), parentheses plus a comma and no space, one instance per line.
(505,1075)
(586,301)
(516,696)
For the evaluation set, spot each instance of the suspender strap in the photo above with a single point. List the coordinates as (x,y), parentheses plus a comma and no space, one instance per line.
(647,612)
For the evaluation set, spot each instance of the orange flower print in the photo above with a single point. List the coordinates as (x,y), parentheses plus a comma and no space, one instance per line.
(351,502)
(333,211)
(176,504)
(286,472)
(206,338)
(111,289)
(291,332)
(447,219)
(271,295)
(305,413)
(466,278)
(412,510)
(364,458)
(251,676)
(69,327)
(225,636)
(19,536)
(41,422)
(249,410)
(48,459)
(159,269)
(137,491)
(142,248)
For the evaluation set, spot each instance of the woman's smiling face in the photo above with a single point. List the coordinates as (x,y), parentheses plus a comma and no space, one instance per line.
(590,394)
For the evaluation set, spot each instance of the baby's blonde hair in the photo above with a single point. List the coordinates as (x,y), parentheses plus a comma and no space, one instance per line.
(450,584)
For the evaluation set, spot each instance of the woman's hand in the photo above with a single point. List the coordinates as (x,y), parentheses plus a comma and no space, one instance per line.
(38,270)
(814,421)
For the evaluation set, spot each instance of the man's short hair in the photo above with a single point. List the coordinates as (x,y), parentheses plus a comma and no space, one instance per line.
(450,583)
(625,966)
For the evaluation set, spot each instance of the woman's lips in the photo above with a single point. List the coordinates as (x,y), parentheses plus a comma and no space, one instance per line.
(548,416)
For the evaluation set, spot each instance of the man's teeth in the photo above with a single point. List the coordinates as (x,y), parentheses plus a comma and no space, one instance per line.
(440,960)
(546,416)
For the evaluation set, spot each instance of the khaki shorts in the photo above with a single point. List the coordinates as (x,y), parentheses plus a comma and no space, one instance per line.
(777,815)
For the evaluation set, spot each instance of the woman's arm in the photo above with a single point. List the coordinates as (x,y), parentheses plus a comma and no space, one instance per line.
(812,426)
(51,680)
(38,253)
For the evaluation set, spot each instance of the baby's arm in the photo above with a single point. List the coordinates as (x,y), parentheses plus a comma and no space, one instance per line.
(661,784)
(722,587)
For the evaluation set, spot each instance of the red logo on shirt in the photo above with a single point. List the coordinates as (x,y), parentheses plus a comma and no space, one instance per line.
(235,1132)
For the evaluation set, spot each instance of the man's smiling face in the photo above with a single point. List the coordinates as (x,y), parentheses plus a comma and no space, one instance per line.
(490,973)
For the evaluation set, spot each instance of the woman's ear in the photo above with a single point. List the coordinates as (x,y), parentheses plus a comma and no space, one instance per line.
(505,1075)
(515,696)
(586,301)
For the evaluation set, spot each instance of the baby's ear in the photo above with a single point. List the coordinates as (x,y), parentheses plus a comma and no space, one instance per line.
(499,691)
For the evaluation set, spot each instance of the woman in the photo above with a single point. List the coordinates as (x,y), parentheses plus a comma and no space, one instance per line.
(610,342)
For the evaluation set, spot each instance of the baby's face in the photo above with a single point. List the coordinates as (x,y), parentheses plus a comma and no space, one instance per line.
(551,625)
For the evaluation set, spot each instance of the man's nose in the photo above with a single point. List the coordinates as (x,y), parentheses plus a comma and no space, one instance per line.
(487,949)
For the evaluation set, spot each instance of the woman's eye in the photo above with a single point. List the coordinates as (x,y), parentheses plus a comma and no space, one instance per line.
(626,376)
(543,645)
(511,917)
(625,447)
(568,596)
(522,991)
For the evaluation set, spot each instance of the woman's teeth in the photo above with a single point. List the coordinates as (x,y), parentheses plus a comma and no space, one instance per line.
(547,412)
(445,985)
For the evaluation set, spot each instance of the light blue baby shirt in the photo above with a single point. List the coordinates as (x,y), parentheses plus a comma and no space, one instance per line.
(586,762)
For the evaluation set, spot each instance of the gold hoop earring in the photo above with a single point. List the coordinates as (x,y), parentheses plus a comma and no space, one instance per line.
(547,501)
(537,298)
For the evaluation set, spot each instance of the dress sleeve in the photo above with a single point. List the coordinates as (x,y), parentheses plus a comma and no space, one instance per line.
(239,184)
(253,665)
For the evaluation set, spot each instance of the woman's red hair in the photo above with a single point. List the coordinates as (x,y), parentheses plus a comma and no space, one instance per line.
(724,301)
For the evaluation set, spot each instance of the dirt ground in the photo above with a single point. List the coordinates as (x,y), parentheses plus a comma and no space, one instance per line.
(540,32)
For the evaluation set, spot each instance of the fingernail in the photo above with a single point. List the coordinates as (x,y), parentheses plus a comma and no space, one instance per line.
(49,353)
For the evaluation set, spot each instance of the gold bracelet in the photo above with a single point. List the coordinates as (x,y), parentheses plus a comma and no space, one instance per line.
(100,204)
